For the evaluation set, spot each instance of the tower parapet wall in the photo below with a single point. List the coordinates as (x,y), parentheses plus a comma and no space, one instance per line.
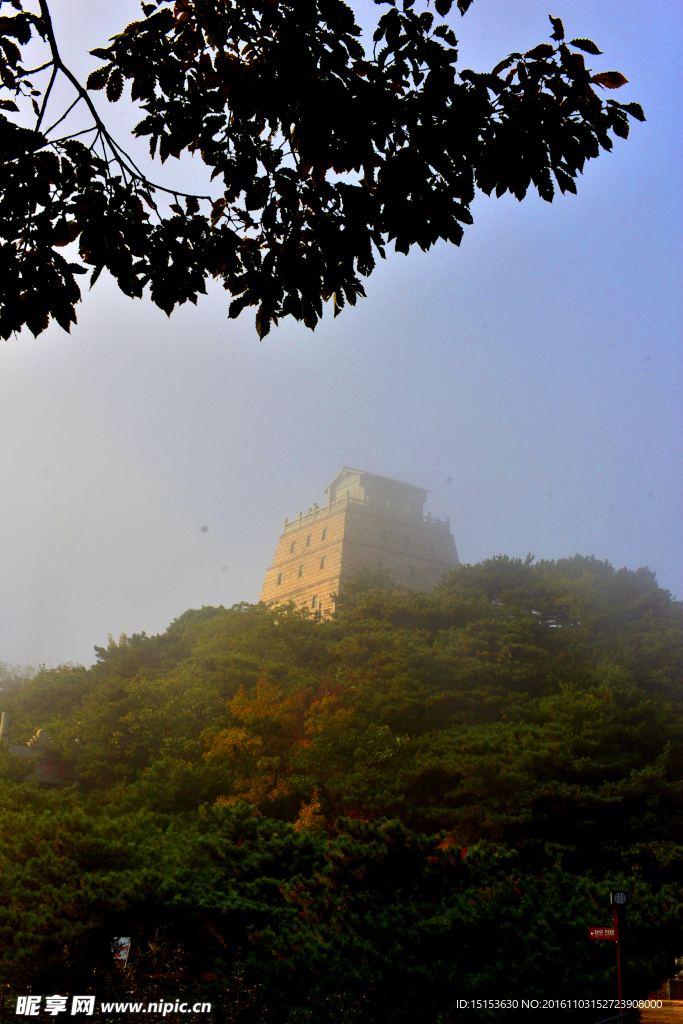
(319,512)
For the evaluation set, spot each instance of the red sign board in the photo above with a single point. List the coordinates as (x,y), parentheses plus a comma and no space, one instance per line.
(602,933)
(121,948)
(52,773)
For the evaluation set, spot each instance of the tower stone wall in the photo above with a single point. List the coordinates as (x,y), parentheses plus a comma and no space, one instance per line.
(369,521)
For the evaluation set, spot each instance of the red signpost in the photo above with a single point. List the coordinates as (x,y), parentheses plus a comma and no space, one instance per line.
(618,901)
(602,933)
(615,917)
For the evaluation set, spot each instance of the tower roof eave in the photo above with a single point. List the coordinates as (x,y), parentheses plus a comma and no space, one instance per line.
(376,476)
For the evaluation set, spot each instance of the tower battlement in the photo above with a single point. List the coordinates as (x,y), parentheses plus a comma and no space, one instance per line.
(317,513)
(369,521)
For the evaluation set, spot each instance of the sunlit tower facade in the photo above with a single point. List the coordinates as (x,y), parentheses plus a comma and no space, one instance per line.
(369,521)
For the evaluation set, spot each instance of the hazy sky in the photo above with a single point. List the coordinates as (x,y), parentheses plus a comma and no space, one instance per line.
(538,366)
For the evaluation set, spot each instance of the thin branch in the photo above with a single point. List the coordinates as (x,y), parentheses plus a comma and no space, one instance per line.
(65,114)
(45,15)
(120,154)
(65,138)
(47,95)
(104,150)
(118,149)
(92,145)
(34,71)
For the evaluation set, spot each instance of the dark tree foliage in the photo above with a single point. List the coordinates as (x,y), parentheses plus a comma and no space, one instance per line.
(359,820)
(322,154)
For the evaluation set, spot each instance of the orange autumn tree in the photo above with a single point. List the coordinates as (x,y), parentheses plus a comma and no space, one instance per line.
(258,748)
(299,748)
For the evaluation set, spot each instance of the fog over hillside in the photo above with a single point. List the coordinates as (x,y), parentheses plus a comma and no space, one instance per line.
(537,368)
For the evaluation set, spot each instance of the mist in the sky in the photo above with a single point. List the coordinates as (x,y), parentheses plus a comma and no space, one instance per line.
(531,379)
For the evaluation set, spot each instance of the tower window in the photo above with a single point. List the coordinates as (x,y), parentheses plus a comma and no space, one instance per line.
(301,570)
(324,536)
(314,602)
(322,562)
(279,579)
(291,547)
(308,541)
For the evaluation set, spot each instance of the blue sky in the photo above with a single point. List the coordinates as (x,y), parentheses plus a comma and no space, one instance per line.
(538,366)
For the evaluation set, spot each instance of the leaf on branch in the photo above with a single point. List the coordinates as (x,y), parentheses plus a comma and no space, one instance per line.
(237,305)
(543,182)
(73,230)
(542,50)
(97,79)
(182,10)
(443,7)
(100,52)
(564,180)
(558,28)
(610,79)
(444,32)
(634,109)
(586,44)
(12,52)
(621,128)
(463,5)
(262,322)
(37,324)
(8,105)
(48,165)
(503,64)
(115,86)
(167,148)
(15,26)
(217,210)
(148,199)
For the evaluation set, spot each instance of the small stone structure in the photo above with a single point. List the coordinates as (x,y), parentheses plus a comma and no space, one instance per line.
(49,769)
(673,988)
(369,521)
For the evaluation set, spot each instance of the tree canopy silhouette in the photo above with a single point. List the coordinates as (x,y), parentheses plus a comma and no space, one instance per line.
(319,154)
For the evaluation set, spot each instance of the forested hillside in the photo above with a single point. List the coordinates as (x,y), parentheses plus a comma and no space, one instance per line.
(425,799)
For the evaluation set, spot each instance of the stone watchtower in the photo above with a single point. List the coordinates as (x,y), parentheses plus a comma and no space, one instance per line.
(368,520)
